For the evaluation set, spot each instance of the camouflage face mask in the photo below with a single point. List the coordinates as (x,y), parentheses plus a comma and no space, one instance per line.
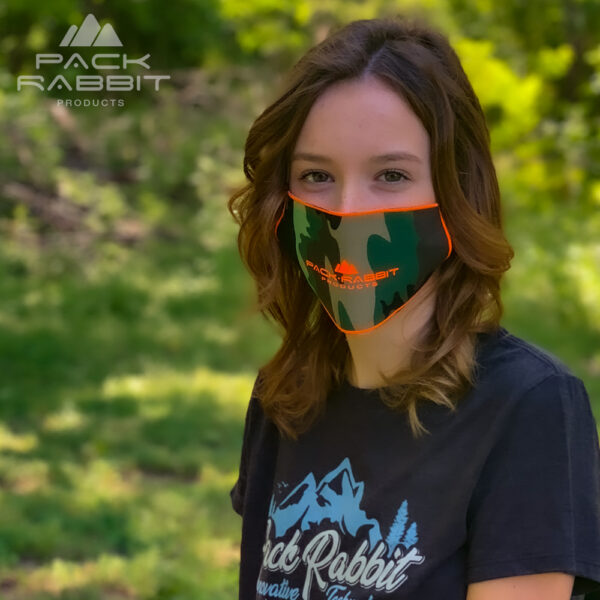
(364,267)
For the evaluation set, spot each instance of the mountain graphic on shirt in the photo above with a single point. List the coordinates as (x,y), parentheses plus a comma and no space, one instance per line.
(336,498)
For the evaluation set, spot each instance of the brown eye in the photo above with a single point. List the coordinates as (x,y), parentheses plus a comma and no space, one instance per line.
(306,176)
(396,176)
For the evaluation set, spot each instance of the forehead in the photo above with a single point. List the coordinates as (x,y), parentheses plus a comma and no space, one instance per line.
(362,117)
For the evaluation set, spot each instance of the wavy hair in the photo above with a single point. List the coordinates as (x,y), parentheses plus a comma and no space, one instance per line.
(417,62)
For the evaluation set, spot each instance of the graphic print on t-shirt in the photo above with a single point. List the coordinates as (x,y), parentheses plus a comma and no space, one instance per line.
(320,543)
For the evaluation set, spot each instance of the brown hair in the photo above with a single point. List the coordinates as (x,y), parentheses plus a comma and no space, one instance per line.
(419,63)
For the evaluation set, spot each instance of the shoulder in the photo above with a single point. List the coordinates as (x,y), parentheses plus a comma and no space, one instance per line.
(259,433)
(530,396)
(514,365)
(258,426)
(516,380)
(254,413)
(536,356)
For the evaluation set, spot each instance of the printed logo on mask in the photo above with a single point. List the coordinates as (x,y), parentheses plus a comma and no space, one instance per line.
(348,277)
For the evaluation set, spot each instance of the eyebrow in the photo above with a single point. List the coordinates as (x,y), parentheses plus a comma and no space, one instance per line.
(382,158)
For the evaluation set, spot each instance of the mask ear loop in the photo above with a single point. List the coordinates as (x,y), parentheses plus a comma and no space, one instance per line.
(284,205)
(447,233)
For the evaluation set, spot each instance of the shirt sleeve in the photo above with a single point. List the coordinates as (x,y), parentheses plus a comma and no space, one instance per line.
(237,492)
(536,505)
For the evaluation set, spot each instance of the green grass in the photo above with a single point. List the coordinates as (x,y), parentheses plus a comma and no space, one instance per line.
(124,391)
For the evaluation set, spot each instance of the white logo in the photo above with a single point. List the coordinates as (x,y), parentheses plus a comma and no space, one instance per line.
(78,77)
(91,34)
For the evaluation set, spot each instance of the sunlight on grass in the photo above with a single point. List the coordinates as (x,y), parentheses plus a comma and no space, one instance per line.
(98,481)
(220,553)
(230,391)
(16,442)
(24,476)
(137,577)
(68,417)
(140,508)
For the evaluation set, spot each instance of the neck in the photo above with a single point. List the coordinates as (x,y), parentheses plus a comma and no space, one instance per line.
(389,347)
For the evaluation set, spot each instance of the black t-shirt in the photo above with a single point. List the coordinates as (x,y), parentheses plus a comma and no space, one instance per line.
(357,508)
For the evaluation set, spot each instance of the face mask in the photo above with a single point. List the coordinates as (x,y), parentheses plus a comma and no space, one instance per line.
(364,266)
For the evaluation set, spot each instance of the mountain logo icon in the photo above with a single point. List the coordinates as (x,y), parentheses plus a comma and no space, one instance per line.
(336,498)
(91,34)
(346,268)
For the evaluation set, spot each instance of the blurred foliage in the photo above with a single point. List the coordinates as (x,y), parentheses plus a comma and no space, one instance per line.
(127,338)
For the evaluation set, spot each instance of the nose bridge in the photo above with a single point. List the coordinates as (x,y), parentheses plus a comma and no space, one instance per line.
(349,194)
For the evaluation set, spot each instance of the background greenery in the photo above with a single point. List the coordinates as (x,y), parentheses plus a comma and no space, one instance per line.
(127,339)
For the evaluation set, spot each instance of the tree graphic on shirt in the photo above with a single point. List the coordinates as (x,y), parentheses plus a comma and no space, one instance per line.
(394,537)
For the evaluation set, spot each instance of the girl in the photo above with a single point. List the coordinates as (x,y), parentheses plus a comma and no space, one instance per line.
(401,443)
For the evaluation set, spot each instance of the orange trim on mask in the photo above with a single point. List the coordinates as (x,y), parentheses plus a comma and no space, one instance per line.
(359,331)
(364,212)
(404,208)
(279,221)
(447,235)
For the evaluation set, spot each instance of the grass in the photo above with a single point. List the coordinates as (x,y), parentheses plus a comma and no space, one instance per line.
(125,387)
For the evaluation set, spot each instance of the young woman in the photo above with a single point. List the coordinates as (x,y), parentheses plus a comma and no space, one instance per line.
(400,443)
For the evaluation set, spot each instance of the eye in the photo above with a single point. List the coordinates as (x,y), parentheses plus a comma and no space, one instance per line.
(305,176)
(396,176)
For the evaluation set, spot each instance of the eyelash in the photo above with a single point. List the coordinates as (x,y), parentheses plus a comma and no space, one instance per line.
(395,171)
